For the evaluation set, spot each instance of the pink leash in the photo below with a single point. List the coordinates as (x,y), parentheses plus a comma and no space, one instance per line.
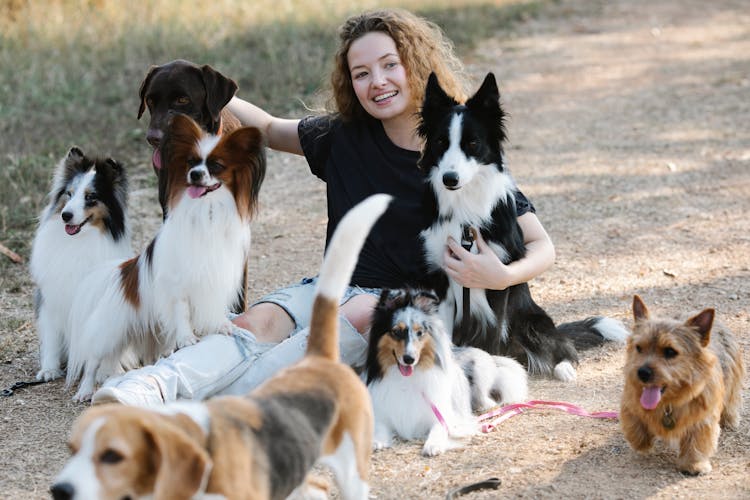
(495,417)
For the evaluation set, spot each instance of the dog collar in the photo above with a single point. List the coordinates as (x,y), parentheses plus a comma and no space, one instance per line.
(668,420)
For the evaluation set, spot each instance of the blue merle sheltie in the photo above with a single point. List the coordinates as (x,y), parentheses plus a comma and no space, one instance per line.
(422,386)
(83,225)
(472,190)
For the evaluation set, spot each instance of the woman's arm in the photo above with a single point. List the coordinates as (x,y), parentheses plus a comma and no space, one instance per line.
(485,270)
(280,132)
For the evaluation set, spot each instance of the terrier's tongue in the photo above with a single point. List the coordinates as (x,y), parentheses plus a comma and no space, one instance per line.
(72,229)
(196,191)
(650,397)
(406,370)
(156,158)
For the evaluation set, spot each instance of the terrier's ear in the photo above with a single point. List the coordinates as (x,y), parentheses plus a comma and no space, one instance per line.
(640,311)
(702,322)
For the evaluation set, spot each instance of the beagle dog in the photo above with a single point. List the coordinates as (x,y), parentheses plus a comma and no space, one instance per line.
(261,446)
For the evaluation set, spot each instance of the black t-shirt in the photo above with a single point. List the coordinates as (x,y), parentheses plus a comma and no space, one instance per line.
(356,160)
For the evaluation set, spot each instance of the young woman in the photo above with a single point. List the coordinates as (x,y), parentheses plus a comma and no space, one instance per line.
(366,145)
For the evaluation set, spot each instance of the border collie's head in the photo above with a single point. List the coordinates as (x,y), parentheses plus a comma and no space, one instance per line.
(89,193)
(199,163)
(406,332)
(460,139)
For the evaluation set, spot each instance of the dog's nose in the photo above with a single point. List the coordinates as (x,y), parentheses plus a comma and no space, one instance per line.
(408,360)
(66,216)
(196,175)
(154,136)
(450,179)
(62,491)
(645,374)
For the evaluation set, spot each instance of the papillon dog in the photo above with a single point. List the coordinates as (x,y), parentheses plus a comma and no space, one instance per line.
(472,190)
(84,224)
(183,284)
(423,387)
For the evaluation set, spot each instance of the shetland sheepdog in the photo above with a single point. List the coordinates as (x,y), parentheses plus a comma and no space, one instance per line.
(184,282)
(423,387)
(471,187)
(83,224)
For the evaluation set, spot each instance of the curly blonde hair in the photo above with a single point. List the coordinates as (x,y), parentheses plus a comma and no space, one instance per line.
(422,48)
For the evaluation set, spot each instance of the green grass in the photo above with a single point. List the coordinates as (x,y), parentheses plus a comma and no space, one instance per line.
(72,68)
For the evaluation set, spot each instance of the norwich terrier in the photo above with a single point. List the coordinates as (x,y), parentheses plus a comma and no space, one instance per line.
(681,383)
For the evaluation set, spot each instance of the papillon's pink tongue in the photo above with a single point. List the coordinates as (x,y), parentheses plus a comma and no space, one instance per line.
(650,397)
(156,159)
(196,191)
(406,370)
(72,229)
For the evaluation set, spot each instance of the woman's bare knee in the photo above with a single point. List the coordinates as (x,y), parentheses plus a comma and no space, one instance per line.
(267,321)
(358,311)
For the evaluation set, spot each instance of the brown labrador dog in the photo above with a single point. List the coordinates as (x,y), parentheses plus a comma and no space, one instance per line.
(199,92)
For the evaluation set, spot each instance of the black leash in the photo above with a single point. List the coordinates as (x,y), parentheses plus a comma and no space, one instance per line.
(20,385)
(467,241)
(492,483)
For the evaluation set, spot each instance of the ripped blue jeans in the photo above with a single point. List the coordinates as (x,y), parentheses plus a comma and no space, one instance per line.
(237,363)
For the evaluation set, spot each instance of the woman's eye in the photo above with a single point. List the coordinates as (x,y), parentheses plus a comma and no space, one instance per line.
(359,76)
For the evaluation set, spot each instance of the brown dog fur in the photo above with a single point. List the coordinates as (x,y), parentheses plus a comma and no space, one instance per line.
(697,365)
(200,92)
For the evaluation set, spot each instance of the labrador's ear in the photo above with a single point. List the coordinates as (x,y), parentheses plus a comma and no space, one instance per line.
(183,466)
(152,71)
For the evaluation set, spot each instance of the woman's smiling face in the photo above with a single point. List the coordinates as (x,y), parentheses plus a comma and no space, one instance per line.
(378,77)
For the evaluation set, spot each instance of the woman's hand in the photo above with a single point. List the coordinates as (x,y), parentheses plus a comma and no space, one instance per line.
(476,270)
(486,270)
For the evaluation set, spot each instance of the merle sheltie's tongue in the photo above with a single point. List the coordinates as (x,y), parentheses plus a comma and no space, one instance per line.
(156,159)
(406,370)
(196,191)
(650,397)
(72,229)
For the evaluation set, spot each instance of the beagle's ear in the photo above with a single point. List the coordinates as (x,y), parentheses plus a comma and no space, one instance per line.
(182,466)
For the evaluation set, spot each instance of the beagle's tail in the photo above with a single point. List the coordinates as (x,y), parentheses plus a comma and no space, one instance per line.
(336,271)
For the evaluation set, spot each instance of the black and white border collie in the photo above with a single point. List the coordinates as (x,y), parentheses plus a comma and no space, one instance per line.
(471,187)
(84,224)
(183,284)
(423,387)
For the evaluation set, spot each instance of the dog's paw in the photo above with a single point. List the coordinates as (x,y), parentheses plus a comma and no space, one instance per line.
(378,445)
(186,340)
(433,448)
(226,328)
(696,469)
(83,395)
(565,371)
(49,374)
